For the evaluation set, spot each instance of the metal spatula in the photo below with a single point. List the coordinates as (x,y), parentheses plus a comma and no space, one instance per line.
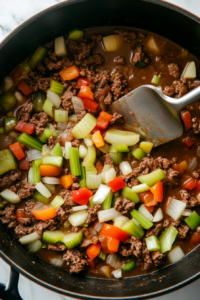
(155,116)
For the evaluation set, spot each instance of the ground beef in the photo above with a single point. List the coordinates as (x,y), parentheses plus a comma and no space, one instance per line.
(81,115)
(25,221)
(27,190)
(44,84)
(123,205)
(132,246)
(133,182)
(89,238)
(118,85)
(120,60)
(196,125)
(180,87)
(92,213)
(51,142)
(58,247)
(127,36)
(193,84)
(75,260)
(41,226)
(75,186)
(29,205)
(76,143)
(107,159)
(196,174)
(157,258)
(80,50)
(155,231)
(22,230)
(8,216)
(66,101)
(172,178)
(61,216)
(13,189)
(183,231)
(96,59)
(39,120)
(67,196)
(139,56)
(8,179)
(188,199)
(25,111)
(116,118)
(169,90)
(174,70)
(108,99)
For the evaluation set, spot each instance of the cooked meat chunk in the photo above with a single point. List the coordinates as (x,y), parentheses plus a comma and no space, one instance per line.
(123,205)
(25,111)
(75,260)
(139,56)
(116,118)
(39,120)
(92,213)
(27,190)
(174,70)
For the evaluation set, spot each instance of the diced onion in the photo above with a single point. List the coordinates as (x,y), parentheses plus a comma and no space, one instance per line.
(60,46)
(190,71)
(61,126)
(10,196)
(112,259)
(105,169)
(192,164)
(30,176)
(93,181)
(19,97)
(41,188)
(54,98)
(51,187)
(120,221)
(117,273)
(98,226)
(27,239)
(175,208)
(8,84)
(33,154)
(108,214)
(78,218)
(51,180)
(151,44)
(80,207)
(145,212)
(88,140)
(78,104)
(158,216)
(110,175)
(67,146)
(105,148)
(72,118)
(187,212)
(125,168)
(45,150)
(175,255)
(111,43)
(82,151)
(101,194)
(57,262)
(34,246)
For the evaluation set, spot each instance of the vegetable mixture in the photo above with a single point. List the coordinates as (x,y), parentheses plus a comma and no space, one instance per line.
(77,188)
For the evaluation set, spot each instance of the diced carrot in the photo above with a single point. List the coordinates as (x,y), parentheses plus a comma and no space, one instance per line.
(49,170)
(86,93)
(24,88)
(44,214)
(93,250)
(148,198)
(82,81)
(190,184)
(90,104)
(69,73)
(99,167)
(187,119)
(24,164)
(17,150)
(179,168)
(20,214)
(189,142)
(109,245)
(103,120)
(66,181)
(98,139)
(18,72)
(157,191)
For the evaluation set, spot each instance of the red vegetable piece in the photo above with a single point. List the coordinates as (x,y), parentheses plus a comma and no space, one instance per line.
(148,198)
(157,191)
(25,127)
(116,184)
(103,120)
(18,72)
(90,104)
(197,188)
(20,214)
(82,82)
(195,238)
(24,164)
(114,232)
(93,250)
(91,264)
(189,142)
(17,150)
(81,196)
(187,119)
(190,184)
(97,129)
(24,88)
(86,93)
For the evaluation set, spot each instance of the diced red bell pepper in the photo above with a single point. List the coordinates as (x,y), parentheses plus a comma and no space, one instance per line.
(103,120)
(23,164)
(69,73)
(18,72)
(93,250)
(20,214)
(25,127)
(190,184)
(197,188)
(86,93)
(91,264)
(17,150)
(195,238)
(179,168)
(116,184)
(114,232)
(81,196)
(82,82)
(157,191)
(148,198)
(24,88)
(96,129)
(90,104)
(109,245)
(187,119)
(150,209)
(189,142)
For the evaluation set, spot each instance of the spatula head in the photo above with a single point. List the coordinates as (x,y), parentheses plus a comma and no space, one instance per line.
(145,111)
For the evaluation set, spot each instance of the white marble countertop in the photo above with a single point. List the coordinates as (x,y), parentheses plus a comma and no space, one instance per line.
(12,13)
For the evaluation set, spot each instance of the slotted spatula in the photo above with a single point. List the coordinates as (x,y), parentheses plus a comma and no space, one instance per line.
(155,116)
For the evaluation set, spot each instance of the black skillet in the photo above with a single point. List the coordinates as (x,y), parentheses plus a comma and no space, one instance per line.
(162,18)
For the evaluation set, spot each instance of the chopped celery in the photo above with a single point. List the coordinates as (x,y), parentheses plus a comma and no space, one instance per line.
(116,157)
(152,243)
(127,138)
(8,84)
(112,149)
(108,201)
(155,79)
(71,240)
(36,170)
(144,211)
(90,170)
(57,201)
(82,151)
(51,187)
(10,123)
(140,188)
(146,147)
(129,266)
(152,178)
(130,195)
(56,87)
(105,148)
(54,98)
(25,69)
(37,57)
(66,224)
(74,161)
(45,135)
(52,237)
(82,181)
(115,197)
(60,46)
(45,150)
(133,229)
(141,219)
(41,188)
(75,34)
(2,130)
(167,239)
(1,206)
(93,181)
(138,153)
(34,246)
(193,221)
(90,157)
(29,141)
(84,127)
(110,175)
(50,126)
(44,246)
(48,108)
(102,255)
(52,160)
(10,196)
(141,64)
(57,150)
(30,175)
(121,148)
(38,101)
(60,115)
(120,221)
(91,201)
(111,43)
(7,161)
(39,197)
(8,101)
(72,118)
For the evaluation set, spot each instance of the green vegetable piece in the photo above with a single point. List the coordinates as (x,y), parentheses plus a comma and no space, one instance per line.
(129,266)
(140,64)
(25,69)
(108,201)
(74,161)
(138,153)
(133,229)
(44,246)
(57,201)
(45,135)
(102,255)
(2,130)
(10,123)
(82,181)
(75,34)
(115,197)
(48,108)
(52,160)
(90,157)
(8,101)
(57,150)
(141,219)
(56,87)
(152,243)
(130,195)
(7,161)
(167,239)
(38,101)
(29,141)
(36,171)
(121,148)
(193,221)
(39,197)
(146,147)
(116,157)
(37,57)
(52,237)
(152,178)
(155,79)
(1,205)
(91,201)
(71,240)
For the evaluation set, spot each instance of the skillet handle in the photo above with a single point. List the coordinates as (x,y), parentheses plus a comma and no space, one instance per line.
(11,290)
